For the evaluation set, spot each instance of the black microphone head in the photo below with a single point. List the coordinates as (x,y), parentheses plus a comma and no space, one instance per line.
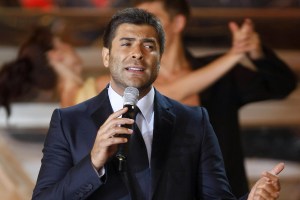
(130,96)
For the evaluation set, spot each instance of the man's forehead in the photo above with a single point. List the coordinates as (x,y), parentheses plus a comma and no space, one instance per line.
(136,31)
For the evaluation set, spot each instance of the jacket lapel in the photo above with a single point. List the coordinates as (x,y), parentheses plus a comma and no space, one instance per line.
(163,129)
(101,108)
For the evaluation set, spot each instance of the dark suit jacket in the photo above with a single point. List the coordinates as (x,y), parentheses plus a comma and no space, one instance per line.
(186,162)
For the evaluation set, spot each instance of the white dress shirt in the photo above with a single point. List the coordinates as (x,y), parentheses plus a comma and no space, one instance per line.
(144,120)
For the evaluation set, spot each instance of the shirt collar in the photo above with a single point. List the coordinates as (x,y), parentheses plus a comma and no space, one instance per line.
(145,104)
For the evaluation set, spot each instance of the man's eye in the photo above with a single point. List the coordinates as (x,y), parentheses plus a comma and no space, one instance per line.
(149,46)
(125,44)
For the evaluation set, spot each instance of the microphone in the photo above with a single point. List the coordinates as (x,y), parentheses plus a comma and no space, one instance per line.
(130,99)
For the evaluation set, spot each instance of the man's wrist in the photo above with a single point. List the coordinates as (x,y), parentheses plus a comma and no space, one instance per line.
(100,172)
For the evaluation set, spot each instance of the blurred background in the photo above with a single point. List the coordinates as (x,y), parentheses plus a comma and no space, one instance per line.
(271,129)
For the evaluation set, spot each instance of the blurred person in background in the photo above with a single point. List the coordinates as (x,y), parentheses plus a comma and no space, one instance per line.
(264,77)
(46,69)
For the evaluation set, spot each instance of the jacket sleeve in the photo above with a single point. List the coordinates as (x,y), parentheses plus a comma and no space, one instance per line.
(213,182)
(59,178)
(273,79)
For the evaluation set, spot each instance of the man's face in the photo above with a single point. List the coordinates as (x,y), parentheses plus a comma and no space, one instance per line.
(134,57)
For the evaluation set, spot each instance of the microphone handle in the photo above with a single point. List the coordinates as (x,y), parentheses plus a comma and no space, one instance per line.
(123,148)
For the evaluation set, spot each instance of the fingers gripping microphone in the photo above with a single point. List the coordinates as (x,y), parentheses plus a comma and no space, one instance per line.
(130,99)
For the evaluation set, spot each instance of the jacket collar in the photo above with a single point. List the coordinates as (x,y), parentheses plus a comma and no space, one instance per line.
(163,129)
(100,108)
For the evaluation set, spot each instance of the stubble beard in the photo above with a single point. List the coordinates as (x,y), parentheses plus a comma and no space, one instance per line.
(116,71)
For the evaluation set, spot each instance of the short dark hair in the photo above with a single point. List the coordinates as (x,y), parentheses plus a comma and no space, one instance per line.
(133,16)
(173,7)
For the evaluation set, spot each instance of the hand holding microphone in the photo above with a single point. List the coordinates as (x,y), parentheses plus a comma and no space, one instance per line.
(130,99)
(111,137)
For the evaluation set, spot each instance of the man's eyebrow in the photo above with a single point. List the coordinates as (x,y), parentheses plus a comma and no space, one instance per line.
(151,40)
(126,38)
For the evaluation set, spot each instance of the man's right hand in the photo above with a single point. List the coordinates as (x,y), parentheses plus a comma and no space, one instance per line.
(106,144)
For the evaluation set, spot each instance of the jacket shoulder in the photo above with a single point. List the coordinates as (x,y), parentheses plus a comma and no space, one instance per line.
(187,111)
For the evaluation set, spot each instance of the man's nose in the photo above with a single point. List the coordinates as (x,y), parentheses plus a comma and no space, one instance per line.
(137,53)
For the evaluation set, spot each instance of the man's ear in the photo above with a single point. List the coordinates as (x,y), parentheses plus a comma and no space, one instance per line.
(179,23)
(105,56)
